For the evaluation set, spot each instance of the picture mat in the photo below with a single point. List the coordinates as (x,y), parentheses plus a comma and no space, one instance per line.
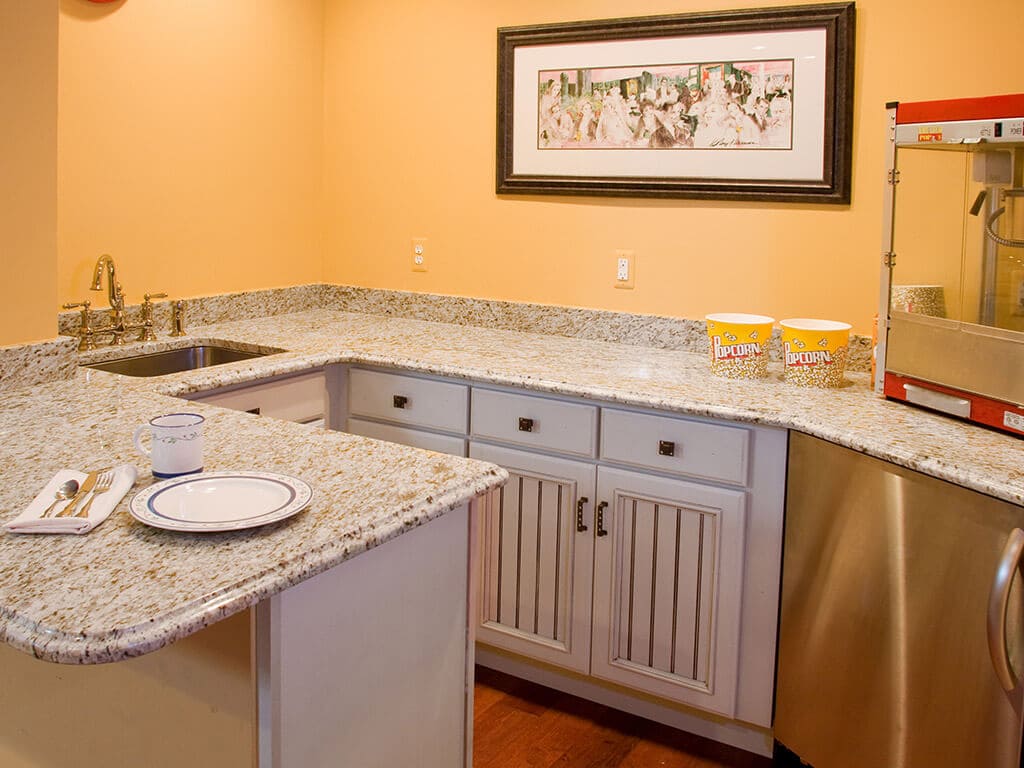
(805,162)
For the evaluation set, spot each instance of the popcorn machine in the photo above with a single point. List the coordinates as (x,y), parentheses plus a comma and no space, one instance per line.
(951,317)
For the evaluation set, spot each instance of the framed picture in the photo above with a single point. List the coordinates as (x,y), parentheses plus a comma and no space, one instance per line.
(735,105)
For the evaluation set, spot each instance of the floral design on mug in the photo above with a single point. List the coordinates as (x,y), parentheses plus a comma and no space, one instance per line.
(171,440)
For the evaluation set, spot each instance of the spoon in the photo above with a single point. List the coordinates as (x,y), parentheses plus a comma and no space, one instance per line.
(66,491)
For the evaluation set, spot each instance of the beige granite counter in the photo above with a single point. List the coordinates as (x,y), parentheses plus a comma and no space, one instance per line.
(852,416)
(126,589)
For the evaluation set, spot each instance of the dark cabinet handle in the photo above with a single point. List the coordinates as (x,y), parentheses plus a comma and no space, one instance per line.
(600,518)
(400,401)
(525,425)
(580,525)
(666,448)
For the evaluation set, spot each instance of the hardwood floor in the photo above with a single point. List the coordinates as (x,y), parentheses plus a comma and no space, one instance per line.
(518,724)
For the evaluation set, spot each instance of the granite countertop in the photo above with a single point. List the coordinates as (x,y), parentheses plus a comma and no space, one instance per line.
(126,589)
(853,416)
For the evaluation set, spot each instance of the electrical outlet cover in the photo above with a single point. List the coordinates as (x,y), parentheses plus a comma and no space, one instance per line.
(625,269)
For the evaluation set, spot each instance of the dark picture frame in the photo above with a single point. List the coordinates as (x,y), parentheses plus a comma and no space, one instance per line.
(762,109)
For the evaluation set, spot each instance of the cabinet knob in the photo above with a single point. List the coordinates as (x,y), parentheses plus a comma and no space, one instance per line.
(580,525)
(525,425)
(600,518)
(400,401)
(666,448)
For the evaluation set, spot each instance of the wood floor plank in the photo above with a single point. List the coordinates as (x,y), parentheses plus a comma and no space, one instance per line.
(522,725)
(484,697)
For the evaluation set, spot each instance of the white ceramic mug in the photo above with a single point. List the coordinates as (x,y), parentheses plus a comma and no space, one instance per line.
(177,444)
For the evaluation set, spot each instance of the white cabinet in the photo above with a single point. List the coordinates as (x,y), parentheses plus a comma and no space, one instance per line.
(668,575)
(699,449)
(538,423)
(537,558)
(408,400)
(302,398)
(409,410)
(684,531)
(629,546)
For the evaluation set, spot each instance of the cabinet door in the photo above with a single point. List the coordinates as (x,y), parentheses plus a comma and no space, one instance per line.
(668,576)
(535,565)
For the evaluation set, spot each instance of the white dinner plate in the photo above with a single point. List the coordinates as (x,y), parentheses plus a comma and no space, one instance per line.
(220,501)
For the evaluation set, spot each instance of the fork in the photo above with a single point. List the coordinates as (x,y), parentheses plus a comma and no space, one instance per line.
(103,483)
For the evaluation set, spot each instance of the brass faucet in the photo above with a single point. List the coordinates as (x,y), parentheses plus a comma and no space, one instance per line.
(117,327)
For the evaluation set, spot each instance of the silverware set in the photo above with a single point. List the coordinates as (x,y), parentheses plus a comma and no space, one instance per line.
(81,496)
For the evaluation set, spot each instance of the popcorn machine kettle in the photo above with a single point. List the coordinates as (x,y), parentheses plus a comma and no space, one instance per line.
(951,317)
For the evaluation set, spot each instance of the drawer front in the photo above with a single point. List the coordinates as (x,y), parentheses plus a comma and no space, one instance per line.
(408,400)
(417,438)
(676,445)
(296,398)
(535,422)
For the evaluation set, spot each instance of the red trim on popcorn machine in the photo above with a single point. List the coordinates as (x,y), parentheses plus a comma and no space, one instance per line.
(984,410)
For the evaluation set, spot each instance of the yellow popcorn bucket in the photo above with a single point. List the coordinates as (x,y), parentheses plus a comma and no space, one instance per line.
(739,344)
(814,351)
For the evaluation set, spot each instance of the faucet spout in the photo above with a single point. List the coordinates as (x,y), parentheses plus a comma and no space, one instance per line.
(105,262)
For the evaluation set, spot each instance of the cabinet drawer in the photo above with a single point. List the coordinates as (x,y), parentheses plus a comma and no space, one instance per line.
(536,422)
(296,398)
(408,400)
(676,445)
(417,438)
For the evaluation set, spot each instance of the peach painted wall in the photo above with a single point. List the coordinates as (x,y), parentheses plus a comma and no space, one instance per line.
(28,170)
(190,144)
(409,110)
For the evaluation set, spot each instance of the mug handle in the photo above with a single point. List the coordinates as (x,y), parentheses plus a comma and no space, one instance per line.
(137,440)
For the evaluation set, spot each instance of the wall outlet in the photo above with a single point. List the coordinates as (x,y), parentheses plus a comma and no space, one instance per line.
(419,254)
(625,269)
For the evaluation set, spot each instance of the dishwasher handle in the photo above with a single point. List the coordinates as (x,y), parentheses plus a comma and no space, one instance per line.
(998,603)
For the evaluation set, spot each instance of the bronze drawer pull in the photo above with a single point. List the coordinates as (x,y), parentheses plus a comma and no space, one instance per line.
(400,401)
(666,448)
(525,425)
(580,525)
(600,518)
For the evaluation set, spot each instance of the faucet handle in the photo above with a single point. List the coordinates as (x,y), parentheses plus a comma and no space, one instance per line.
(85,339)
(178,318)
(147,316)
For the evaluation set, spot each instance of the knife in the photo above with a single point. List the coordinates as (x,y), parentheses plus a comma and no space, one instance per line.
(83,491)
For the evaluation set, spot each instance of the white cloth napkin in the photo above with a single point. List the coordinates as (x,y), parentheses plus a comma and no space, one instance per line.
(30,520)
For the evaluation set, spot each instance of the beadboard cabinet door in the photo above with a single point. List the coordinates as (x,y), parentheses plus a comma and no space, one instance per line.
(668,578)
(536,557)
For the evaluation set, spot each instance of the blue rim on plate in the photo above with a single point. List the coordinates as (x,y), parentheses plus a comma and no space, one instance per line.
(155,505)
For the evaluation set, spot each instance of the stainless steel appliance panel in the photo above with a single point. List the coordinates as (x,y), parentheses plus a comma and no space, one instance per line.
(883,652)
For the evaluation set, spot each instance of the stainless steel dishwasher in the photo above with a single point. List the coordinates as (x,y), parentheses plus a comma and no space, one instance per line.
(900,633)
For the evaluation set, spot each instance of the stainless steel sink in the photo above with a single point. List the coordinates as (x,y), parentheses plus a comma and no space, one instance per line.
(176,360)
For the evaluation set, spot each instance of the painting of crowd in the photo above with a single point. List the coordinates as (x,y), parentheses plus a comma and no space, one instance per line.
(740,105)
